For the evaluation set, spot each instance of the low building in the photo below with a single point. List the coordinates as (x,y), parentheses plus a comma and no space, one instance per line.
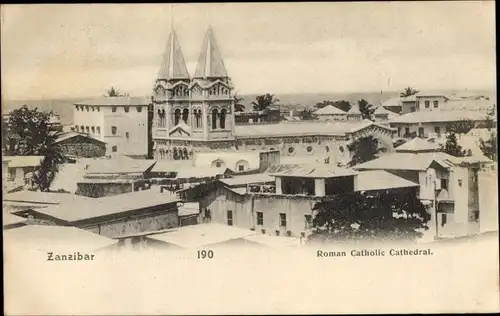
(354,114)
(18,169)
(331,113)
(189,213)
(426,124)
(114,216)
(448,186)
(81,145)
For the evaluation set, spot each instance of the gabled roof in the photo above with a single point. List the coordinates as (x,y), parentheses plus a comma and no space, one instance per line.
(181,126)
(382,111)
(23,161)
(354,110)
(439,116)
(329,110)
(418,145)
(173,65)
(116,101)
(70,135)
(210,62)
(314,171)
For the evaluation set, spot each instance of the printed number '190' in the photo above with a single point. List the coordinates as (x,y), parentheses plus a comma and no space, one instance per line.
(203,254)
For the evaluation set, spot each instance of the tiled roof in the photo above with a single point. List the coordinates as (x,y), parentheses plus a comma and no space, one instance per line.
(57,238)
(381,180)
(248,179)
(210,62)
(108,205)
(418,145)
(314,171)
(195,236)
(116,101)
(173,65)
(407,161)
(329,110)
(23,161)
(438,116)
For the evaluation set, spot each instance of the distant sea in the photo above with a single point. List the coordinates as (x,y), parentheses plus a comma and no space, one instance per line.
(64,107)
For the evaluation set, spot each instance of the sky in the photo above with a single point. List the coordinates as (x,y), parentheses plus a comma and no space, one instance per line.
(68,50)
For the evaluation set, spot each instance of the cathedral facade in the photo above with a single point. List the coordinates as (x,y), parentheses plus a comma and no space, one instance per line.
(195,114)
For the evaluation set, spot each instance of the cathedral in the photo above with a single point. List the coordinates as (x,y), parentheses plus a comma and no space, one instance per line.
(195,114)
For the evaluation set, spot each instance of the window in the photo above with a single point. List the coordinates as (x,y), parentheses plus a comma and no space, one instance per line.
(114,149)
(241,168)
(427,104)
(113,109)
(218,164)
(459,182)
(87,129)
(127,135)
(444,184)
(277,232)
(92,129)
(412,109)
(215,114)
(127,109)
(93,109)
(443,219)
(207,214)
(341,149)
(421,132)
(308,221)
(418,104)
(222,118)
(435,103)
(139,109)
(87,108)
(98,109)
(437,130)
(260,218)
(327,149)
(185,115)
(230,218)
(98,130)
(407,132)
(177,116)
(399,131)
(291,150)
(76,128)
(113,130)
(282,220)
(309,149)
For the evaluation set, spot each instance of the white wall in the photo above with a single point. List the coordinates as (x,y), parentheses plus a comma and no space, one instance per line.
(133,122)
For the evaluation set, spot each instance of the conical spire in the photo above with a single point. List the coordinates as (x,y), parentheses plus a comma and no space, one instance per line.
(210,63)
(173,65)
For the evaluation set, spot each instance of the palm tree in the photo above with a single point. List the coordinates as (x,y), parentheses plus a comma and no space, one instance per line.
(238,106)
(408,92)
(113,92)
(264,101)
(52,157)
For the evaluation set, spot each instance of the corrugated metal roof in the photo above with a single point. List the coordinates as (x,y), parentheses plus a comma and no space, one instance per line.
(406,161)
(23,161)
(248,179)
(381,180)
(108,205)
(57,238)
(438,116)
(418,145)
(201,235)
(314,171)
(116,101)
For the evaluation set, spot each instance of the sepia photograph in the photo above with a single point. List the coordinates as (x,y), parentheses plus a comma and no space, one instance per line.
(249,158)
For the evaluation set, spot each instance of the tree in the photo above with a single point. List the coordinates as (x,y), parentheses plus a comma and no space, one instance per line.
(409,91)
(30,133)
(238,105)
(369,215)
(113,92)
(489,146)
(341,104)
(264,101)
(307,114)
(366,109)
(452,147)
(364,149)
(462,126)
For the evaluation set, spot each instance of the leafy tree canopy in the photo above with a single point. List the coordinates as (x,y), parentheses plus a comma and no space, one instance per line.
(364,149)
(362,216)
(341,104)
(452,147)
(462,126)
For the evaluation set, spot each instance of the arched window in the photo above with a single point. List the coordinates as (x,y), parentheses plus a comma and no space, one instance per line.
(177,116)
(222,118)
(197,118)
(185,115)
(176,157)
(92,129)
(82,128)
(215,114)
(185,154)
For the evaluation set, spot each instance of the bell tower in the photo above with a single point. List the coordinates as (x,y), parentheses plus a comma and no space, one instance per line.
(212,97)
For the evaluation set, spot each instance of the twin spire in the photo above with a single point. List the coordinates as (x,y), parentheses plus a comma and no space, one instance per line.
(210,62)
